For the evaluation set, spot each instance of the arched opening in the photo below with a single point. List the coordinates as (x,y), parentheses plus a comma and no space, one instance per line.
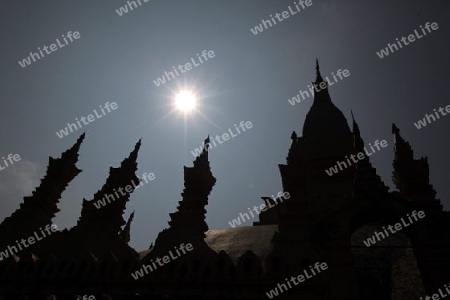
(385,263)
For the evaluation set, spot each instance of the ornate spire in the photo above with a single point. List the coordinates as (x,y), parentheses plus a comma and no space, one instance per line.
(99,228)
(39,209)
(187,224)
(111,199)
(324,118)
(411,176)
(320,87)
(202,159)
(198,184)
(133,155)
(60,172)
(402,149)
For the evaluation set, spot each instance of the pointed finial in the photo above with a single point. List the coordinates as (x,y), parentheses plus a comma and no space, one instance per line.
(206,144)
(76,147)
(293,135)
(395,129)
(318,75)
(203,157)
(137,146)
(79,140)
(133,155)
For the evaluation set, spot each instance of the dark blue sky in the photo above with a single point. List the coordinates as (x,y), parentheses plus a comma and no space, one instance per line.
(250,78)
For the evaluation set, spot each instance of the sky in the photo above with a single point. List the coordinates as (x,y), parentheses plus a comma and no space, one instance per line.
(250,78)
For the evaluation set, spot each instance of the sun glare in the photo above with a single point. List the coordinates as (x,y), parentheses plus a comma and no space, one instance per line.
(185,101)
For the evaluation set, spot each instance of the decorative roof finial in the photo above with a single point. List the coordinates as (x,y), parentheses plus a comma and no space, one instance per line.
(294,135)
(395,129)
(206,143)
(318,75)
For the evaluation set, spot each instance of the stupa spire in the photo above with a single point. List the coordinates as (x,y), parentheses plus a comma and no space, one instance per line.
(324,118)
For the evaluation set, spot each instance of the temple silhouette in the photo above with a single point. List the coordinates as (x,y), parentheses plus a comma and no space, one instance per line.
(326,219)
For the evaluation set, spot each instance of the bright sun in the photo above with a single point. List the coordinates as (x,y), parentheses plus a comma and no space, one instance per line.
(185,101)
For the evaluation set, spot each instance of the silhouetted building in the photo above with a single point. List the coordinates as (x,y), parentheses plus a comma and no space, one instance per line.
(327,219)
